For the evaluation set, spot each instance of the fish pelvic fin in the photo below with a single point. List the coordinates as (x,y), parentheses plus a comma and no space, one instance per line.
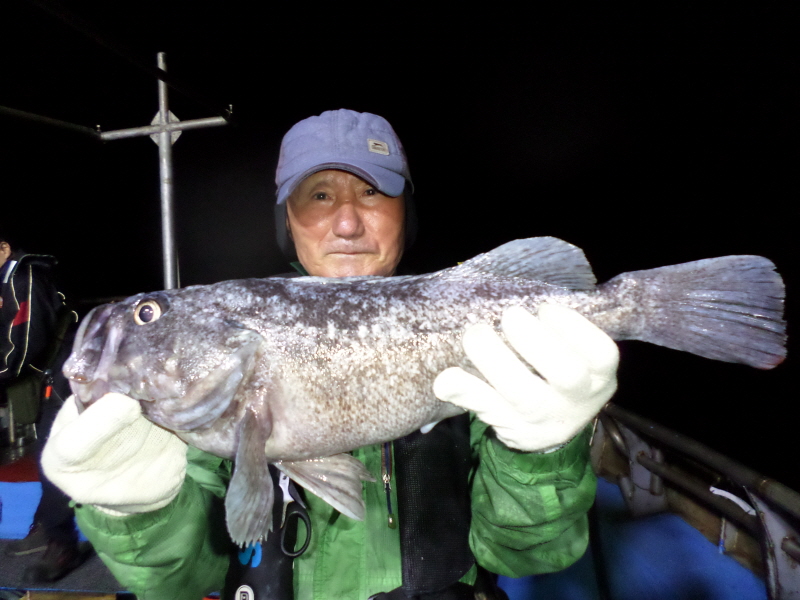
(250,496)
(546,259)
(336,479)
(728,309)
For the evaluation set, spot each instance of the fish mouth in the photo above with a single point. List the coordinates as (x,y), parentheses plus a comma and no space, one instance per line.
(88,394)
(93,354)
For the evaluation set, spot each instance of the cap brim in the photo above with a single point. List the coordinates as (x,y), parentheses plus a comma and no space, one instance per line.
(388,182)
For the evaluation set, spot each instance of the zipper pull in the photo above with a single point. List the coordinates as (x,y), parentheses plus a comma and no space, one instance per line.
(386,475)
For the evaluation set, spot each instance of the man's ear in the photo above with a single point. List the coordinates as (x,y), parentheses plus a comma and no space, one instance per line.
(288,226)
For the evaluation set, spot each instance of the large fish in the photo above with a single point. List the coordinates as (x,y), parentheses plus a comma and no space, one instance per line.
(297,372)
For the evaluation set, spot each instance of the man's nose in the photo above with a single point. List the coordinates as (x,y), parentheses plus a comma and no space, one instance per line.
(347,222)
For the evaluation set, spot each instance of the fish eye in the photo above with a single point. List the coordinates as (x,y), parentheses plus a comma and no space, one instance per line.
(146,312)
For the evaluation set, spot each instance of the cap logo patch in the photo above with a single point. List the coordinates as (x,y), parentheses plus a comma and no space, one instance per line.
(378,147)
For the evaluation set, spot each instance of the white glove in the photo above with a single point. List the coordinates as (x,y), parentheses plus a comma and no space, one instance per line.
(576,364)
(112,457)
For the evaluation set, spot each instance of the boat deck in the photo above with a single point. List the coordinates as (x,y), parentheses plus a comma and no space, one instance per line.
(655,557)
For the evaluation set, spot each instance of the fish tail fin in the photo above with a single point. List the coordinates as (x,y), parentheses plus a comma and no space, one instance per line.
(728,308)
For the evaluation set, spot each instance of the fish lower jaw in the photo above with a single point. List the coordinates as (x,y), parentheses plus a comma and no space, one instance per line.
(87,394)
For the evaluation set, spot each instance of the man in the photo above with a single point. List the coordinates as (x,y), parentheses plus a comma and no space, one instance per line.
(28,309)
(33,323)
(514,499)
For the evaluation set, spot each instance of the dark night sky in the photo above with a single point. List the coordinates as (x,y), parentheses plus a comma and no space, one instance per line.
(646,138)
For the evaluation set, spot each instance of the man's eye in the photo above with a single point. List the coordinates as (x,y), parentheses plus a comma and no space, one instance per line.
(320,196)
(371,191)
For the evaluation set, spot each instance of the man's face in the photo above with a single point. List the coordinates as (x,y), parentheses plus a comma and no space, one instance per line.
(343,226)
(5,253)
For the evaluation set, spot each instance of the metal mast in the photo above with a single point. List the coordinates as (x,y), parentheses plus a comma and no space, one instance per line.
(164,130)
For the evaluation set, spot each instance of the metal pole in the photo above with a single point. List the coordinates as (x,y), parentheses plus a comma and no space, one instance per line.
(777,493)
(163,130)
(12,426)
(165,170)
(700,491)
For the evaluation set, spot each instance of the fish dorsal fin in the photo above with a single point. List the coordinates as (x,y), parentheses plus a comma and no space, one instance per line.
(545,259)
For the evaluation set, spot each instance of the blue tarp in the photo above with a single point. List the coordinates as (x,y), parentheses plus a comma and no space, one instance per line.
(18,502)
(659,557)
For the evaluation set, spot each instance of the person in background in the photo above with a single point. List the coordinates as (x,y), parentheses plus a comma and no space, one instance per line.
(502,489)
(34,323)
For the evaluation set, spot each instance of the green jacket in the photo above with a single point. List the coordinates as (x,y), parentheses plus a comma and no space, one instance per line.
(528,517)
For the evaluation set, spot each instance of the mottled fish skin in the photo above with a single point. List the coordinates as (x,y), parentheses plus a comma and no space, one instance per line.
(346,362)
(329,365)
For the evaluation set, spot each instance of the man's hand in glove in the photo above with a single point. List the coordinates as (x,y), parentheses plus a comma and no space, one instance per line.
(574,374)
(112,457)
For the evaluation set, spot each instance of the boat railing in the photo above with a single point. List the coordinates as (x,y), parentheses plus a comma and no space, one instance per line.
(751,517)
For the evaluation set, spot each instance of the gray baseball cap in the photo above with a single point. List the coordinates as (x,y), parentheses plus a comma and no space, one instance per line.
(360,143)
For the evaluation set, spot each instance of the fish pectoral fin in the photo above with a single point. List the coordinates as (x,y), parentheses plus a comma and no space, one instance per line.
(336,479)
(545,259)
(207,398)
(248,502)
